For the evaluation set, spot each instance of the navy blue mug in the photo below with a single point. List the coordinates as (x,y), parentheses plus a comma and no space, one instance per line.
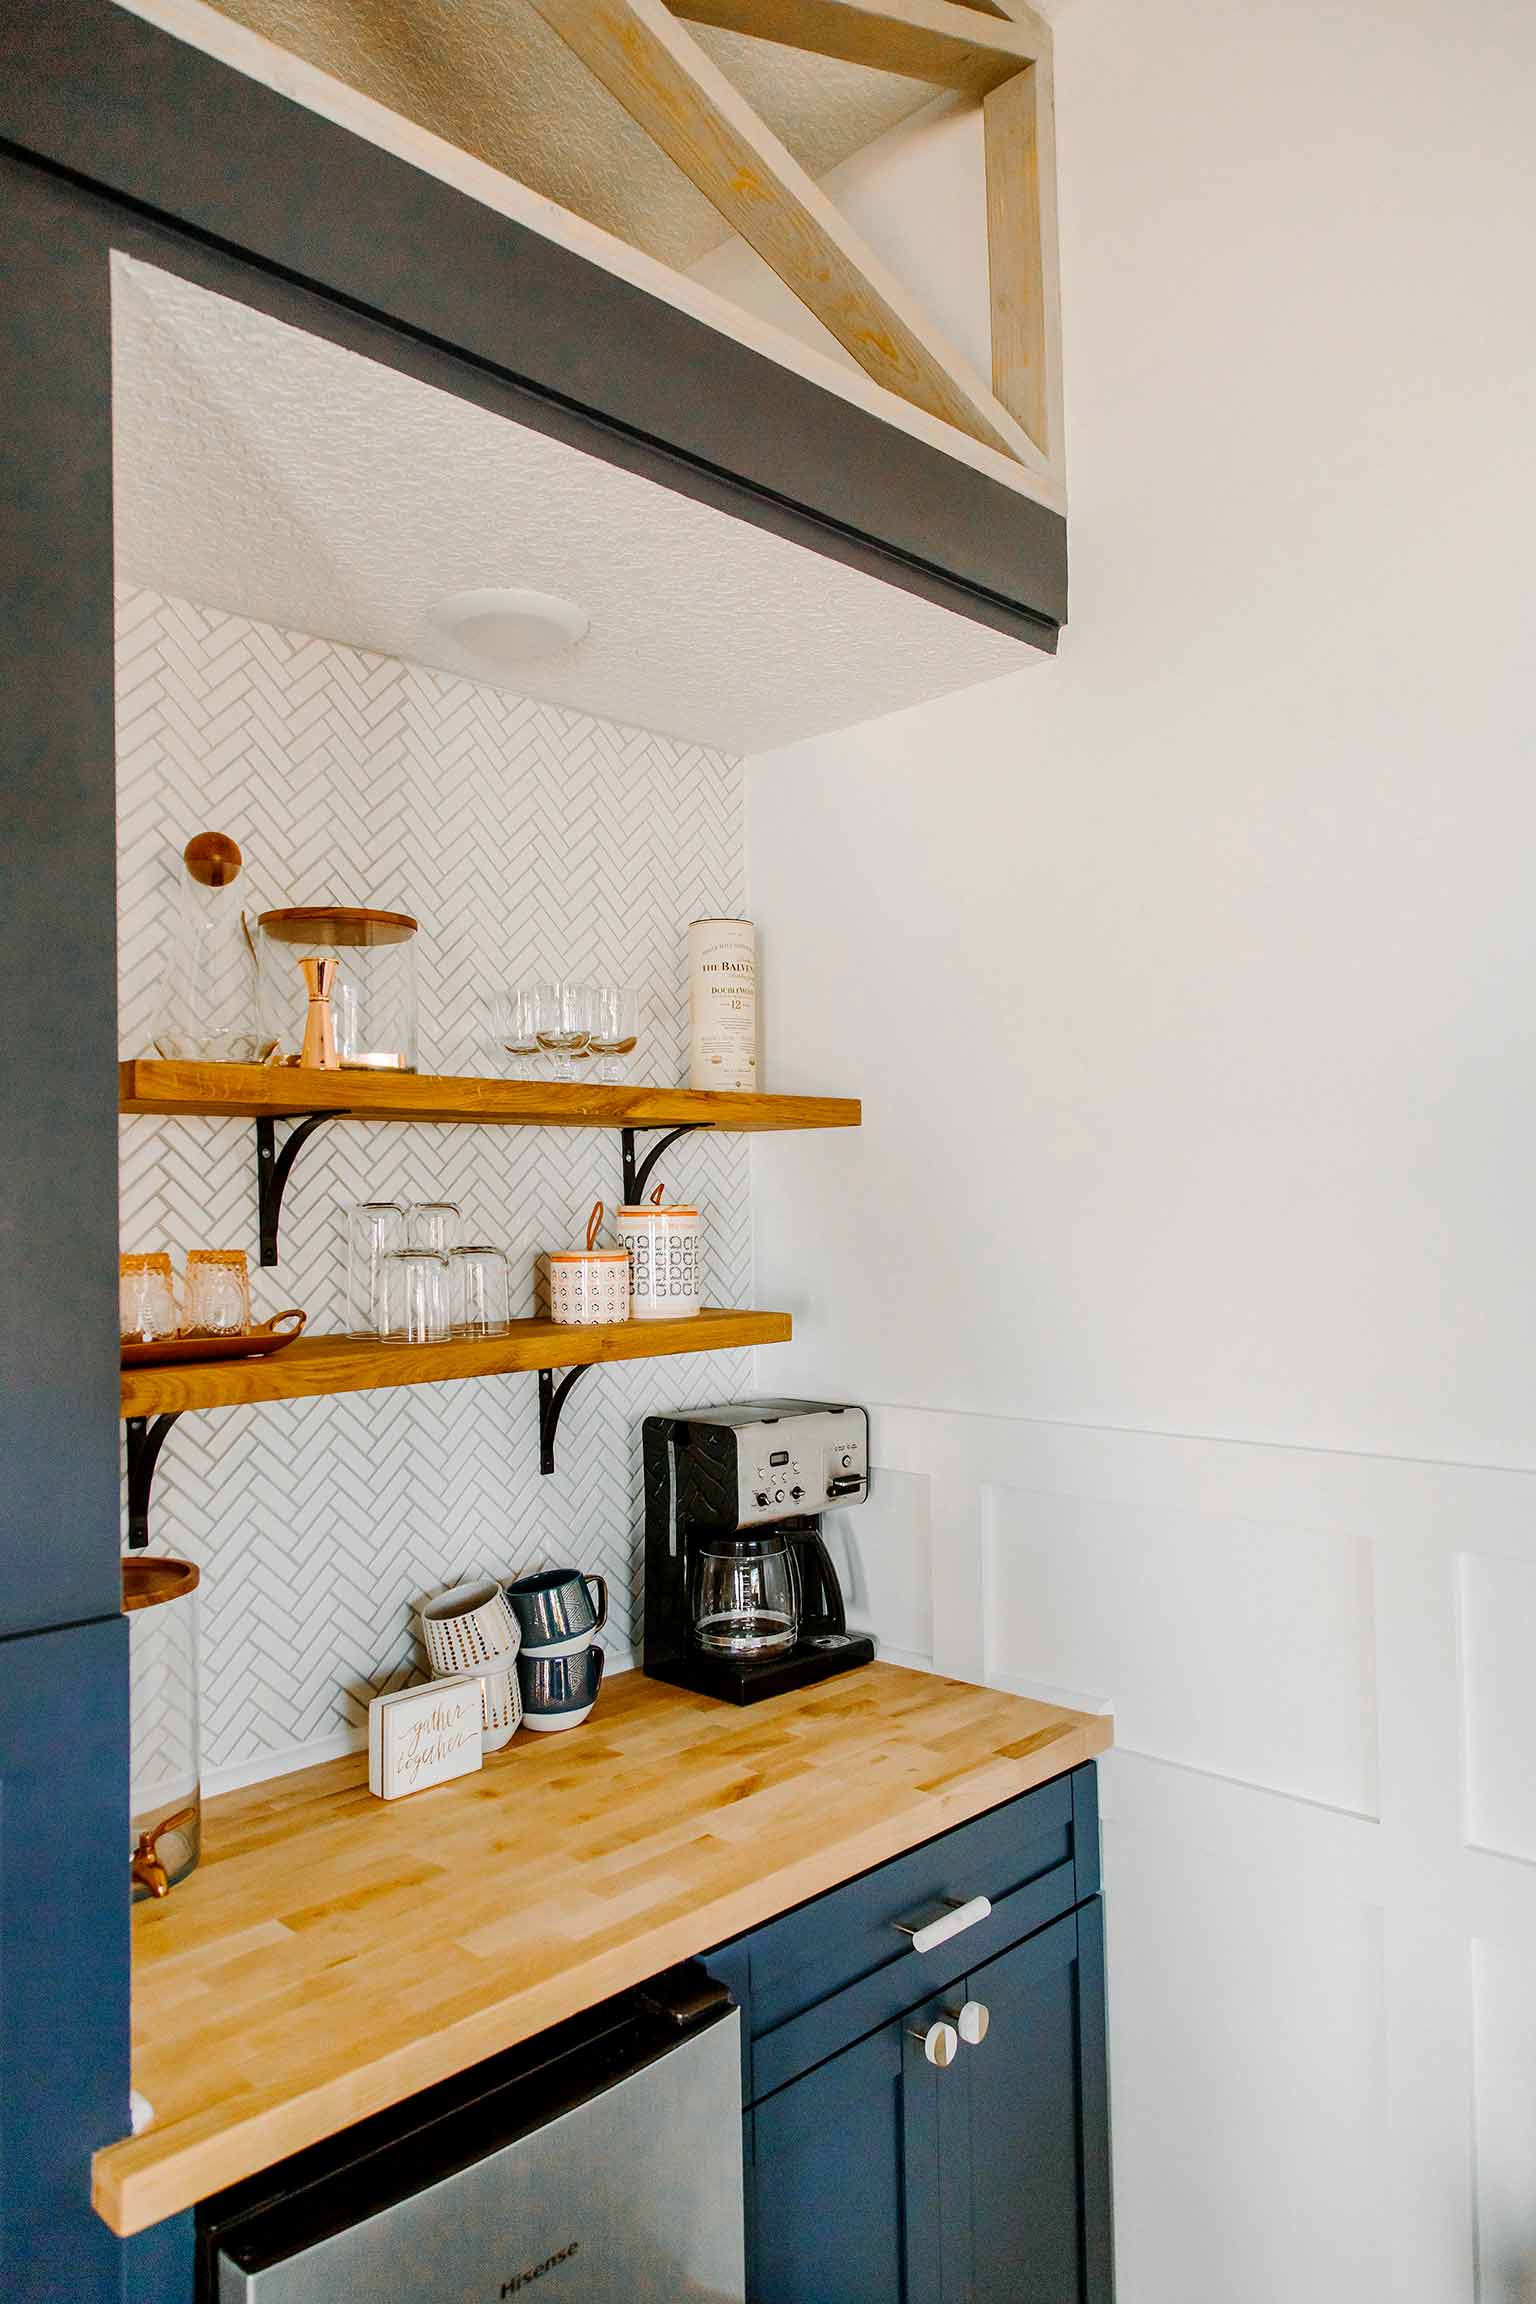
(559,1691)
(558,1610)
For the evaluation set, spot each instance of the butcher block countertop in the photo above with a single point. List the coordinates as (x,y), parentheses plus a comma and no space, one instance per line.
(333,1953)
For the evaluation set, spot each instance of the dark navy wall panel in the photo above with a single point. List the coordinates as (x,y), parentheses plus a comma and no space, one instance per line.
(59,1432)
(63,1956)
(160,2265)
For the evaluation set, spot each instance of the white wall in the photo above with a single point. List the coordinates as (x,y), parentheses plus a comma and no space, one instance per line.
(1188,983)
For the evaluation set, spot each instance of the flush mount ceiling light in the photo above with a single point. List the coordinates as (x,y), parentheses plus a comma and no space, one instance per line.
(497,629)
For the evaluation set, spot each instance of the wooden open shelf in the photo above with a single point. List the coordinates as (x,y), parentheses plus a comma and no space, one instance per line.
(324,1364)
(278,1091)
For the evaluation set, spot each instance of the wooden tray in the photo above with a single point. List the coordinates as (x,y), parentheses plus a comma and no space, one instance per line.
(255,1344)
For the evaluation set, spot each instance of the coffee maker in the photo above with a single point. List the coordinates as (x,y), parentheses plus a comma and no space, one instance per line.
(741,1598)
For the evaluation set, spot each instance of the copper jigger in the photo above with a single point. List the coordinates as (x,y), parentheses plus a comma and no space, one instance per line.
(319,1050)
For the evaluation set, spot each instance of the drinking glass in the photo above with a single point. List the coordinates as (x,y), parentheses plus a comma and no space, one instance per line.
(564,1014)
(218,1298)
(515,1027)
(433,1225)
(415,1307)
(615,1027)
(375,1228)
(146,1298)
(479,1292)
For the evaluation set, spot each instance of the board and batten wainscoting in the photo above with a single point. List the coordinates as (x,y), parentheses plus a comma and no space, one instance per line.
(529,840)
(1319,1822)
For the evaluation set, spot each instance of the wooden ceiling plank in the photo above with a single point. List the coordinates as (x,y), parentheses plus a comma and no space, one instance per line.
(1023,17)
(665,81)
(1013,254)
(929,40)
(1022,257)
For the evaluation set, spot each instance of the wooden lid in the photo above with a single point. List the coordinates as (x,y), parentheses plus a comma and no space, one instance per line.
(344,924)
(148,1580)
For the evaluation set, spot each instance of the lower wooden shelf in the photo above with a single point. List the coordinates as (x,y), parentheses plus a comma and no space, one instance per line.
(322,1364)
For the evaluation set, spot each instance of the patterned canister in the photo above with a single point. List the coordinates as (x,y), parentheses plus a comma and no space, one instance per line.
(665,1280)
(589,1286)
(722,1004)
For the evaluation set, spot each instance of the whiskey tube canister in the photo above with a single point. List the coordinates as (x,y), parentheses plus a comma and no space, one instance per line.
(722,1004)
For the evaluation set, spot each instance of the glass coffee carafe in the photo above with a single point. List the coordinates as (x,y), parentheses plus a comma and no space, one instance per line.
(745,1596)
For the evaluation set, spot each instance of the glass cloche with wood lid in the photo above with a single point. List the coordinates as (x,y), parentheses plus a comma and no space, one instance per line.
(210,1009)
(372,990)
(164,1768)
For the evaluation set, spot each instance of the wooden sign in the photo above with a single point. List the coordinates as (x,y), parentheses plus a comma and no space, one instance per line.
(422,1736)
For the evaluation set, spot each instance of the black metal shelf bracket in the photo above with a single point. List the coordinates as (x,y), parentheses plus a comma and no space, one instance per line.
(552,1398)
(144,1441)
(274,1167)
(636,1179)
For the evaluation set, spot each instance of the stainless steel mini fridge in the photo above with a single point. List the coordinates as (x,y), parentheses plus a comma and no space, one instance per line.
(598,2163)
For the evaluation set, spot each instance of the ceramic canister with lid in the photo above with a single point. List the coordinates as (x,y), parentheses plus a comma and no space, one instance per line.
(663,1245)
(722,1004)
(589,1286)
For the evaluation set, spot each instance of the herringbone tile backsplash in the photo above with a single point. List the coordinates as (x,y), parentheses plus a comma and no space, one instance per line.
(528,841)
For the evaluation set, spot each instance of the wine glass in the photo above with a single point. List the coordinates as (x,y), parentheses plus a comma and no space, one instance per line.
(615,1027)
(564,1022)
(515,1027)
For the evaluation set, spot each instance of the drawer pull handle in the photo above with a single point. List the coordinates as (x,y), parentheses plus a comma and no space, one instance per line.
(928,1935)
(940,2043)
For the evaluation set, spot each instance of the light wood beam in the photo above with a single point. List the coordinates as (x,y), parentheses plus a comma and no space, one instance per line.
(666,83)
(918,39)
(1021,254)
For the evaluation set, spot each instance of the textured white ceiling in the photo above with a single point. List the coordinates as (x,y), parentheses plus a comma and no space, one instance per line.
(261,470)
(491,77)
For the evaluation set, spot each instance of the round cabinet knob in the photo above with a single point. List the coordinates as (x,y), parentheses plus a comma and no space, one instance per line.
(971,2021)
(778,1495)
(940,2044)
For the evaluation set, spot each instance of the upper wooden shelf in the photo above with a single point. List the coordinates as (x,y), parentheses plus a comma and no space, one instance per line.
(325,1364)
(277,1091)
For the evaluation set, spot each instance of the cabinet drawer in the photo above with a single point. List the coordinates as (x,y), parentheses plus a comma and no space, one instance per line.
(834,1968)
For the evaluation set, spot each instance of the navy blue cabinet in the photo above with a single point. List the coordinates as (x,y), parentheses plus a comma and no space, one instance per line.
(878,2177)
(63,1955)
(829,2160)
(1023,2128)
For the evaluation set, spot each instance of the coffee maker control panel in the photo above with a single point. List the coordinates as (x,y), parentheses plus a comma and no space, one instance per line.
(800,1461)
